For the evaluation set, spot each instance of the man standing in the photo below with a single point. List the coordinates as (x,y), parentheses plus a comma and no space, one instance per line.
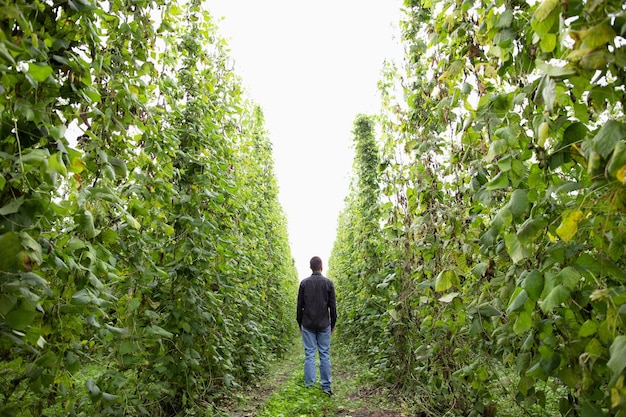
(316,315)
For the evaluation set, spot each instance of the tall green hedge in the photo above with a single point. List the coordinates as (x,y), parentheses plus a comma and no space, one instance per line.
(502,197)
(144,258)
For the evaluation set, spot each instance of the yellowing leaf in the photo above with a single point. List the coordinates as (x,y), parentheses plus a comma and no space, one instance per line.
(543,10)
(446,279)
(548,42)
(569,225)
(621,174)
(597,36)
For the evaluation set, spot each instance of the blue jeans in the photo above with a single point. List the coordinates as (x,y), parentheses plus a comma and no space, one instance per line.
(319,340)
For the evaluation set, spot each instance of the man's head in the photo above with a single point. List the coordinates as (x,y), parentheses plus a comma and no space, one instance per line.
(316,264)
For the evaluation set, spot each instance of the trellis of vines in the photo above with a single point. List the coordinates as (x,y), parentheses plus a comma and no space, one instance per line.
(502,195)
(144,259)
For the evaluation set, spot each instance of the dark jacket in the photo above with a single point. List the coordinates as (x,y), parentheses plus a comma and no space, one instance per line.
(317,307)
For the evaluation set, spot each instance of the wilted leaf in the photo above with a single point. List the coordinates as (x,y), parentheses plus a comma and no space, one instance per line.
(446,280)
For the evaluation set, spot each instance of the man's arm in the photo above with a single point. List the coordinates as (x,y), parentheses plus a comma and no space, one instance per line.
(299,307)
(332,306)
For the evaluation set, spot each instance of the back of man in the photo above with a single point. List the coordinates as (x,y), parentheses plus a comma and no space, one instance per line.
(316,316)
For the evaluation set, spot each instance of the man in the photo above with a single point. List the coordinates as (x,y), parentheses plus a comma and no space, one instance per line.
(316,315)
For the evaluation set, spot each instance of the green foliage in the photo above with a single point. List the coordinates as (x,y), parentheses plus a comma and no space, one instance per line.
(502,209)
(144,259)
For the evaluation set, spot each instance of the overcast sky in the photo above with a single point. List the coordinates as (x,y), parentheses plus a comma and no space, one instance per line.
(312,66)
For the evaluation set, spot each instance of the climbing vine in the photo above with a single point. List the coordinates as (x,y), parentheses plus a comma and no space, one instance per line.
(144,260)
(502,188)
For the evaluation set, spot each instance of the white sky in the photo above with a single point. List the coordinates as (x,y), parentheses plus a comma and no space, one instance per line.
(312,66)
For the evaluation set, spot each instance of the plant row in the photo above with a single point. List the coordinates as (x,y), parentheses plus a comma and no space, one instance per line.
(481,251)
(144,258)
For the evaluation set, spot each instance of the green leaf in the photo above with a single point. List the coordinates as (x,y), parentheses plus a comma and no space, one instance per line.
(533,284)
(588,328)
(85,221)
(530,228)
(132,221)
(523,322)
(518,299)
(480,269)
(497,148)
(40,72)
(10,246)
(158,331)
(108,236)
(569,277)
(617,361)
(93,388)
(7,303)
(34,157)
(448,297)
(5,55)
(608,136)
(12,207)
(82,297)
(24,109)
(569,377)
(555,298)
(516,249)
(35,280)
(518,203)
(47,360)
(487,310)
(499,182)
(446,280)
(547,89)
(127,347)
(554,71)
(505,19)
(56,165)
(21,317)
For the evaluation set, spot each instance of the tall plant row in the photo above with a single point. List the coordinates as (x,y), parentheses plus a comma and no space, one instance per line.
(500,197)
(144,258)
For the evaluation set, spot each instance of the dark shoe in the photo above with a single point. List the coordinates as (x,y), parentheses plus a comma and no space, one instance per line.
(328,392)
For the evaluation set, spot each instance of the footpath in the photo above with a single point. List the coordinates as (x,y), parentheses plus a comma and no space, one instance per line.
(281,393)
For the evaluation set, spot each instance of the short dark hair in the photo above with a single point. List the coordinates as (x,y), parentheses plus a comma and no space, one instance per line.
(316,263)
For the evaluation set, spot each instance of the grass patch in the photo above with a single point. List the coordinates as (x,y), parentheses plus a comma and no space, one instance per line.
(281,391)
(293,399)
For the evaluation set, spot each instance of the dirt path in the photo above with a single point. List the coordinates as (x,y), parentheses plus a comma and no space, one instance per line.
(281,392)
